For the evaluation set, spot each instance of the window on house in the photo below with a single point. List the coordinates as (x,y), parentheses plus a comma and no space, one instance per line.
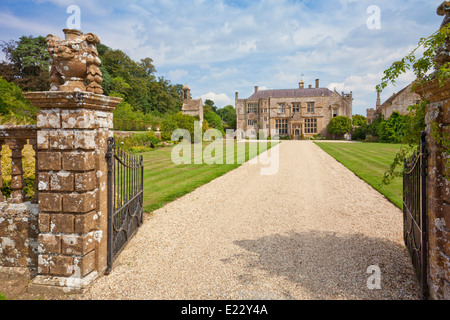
(296,107)
(265,110)
(281,108)
(281,126)
(252,123)
(252,108)
(335,113)
(310,107)
(311,126)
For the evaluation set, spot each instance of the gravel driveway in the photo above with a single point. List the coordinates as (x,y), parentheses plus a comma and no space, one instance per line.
(309,232)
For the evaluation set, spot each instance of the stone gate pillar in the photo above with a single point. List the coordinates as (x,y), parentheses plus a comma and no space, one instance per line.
(438,189)
(437,118)
(73,129)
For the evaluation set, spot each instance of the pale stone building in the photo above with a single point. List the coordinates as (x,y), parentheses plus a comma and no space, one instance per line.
(292,112)
(399,102)
(192,107)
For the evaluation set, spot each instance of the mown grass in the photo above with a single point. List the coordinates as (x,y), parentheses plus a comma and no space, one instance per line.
(369,161)
(3,297)
(165,181)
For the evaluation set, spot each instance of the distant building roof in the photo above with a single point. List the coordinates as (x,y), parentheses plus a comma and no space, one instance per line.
(395,95)
(290,93)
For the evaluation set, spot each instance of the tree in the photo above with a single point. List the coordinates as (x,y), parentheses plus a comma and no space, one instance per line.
(228,115)
(28,63)
(339,125)
(14,108)
(214,120)
(359,120)
(209,106)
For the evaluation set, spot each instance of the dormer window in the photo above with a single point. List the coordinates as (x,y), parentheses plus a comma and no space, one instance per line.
(310,107)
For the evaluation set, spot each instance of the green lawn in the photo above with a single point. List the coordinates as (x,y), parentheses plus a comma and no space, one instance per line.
(369,161)
(164,181)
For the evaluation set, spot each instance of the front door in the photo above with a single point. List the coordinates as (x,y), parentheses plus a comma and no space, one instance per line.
(297,134)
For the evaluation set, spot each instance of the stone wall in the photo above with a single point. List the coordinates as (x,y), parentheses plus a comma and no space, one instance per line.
(438,189)
(18,240)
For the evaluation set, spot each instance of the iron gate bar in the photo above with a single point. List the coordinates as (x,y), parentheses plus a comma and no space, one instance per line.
(125,199)
(415,212)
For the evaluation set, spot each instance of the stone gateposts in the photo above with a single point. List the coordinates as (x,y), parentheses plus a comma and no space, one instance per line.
(72,134)
(438,189)
(63,238)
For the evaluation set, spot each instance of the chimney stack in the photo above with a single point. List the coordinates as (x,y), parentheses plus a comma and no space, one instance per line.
(310,86)
(256,89)
(317,83)
(378,100)
(237,96)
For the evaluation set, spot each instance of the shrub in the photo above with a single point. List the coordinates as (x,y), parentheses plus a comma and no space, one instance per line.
(339,125)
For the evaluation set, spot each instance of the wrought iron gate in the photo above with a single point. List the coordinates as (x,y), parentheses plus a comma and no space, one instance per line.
(415,212)
(125,198)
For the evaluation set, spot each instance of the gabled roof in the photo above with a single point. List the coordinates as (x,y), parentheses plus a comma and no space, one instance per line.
(291,93)
(391,98)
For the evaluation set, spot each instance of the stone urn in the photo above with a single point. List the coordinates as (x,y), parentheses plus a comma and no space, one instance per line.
(74,64)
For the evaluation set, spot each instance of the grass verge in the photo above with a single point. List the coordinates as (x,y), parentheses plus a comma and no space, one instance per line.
(165,181)
(369,161)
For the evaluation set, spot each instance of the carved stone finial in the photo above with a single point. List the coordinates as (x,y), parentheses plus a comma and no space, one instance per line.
(444,10)
(74,62)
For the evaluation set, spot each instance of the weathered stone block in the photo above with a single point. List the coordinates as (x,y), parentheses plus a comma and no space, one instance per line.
(61,140)
(78,119)
(48,161)
(62,223)
(78,161)
(87,263)
(62,181)
(50,202)
(62,266)
(44,223)
(85,223)
(79,202)
(49,243)
(49,119)
(43,181)
(104,120)
(43,141)
(78,245)
(85,140)
(44,264)
(85,181)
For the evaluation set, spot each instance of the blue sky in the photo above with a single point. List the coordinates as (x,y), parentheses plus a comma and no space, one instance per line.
(219,47)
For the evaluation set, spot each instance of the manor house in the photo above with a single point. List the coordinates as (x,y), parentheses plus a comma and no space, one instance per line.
(292,112)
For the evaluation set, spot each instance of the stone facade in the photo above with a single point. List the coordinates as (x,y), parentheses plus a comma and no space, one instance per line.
(302,112)
(398,102)
(191,107)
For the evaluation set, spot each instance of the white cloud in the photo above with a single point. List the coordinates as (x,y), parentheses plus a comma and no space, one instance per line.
(177,75)
(220,100)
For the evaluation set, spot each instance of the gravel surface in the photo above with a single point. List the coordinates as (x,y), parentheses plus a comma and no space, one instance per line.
(309,232)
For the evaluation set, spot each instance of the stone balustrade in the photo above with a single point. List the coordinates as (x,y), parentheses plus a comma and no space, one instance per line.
(16,137)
